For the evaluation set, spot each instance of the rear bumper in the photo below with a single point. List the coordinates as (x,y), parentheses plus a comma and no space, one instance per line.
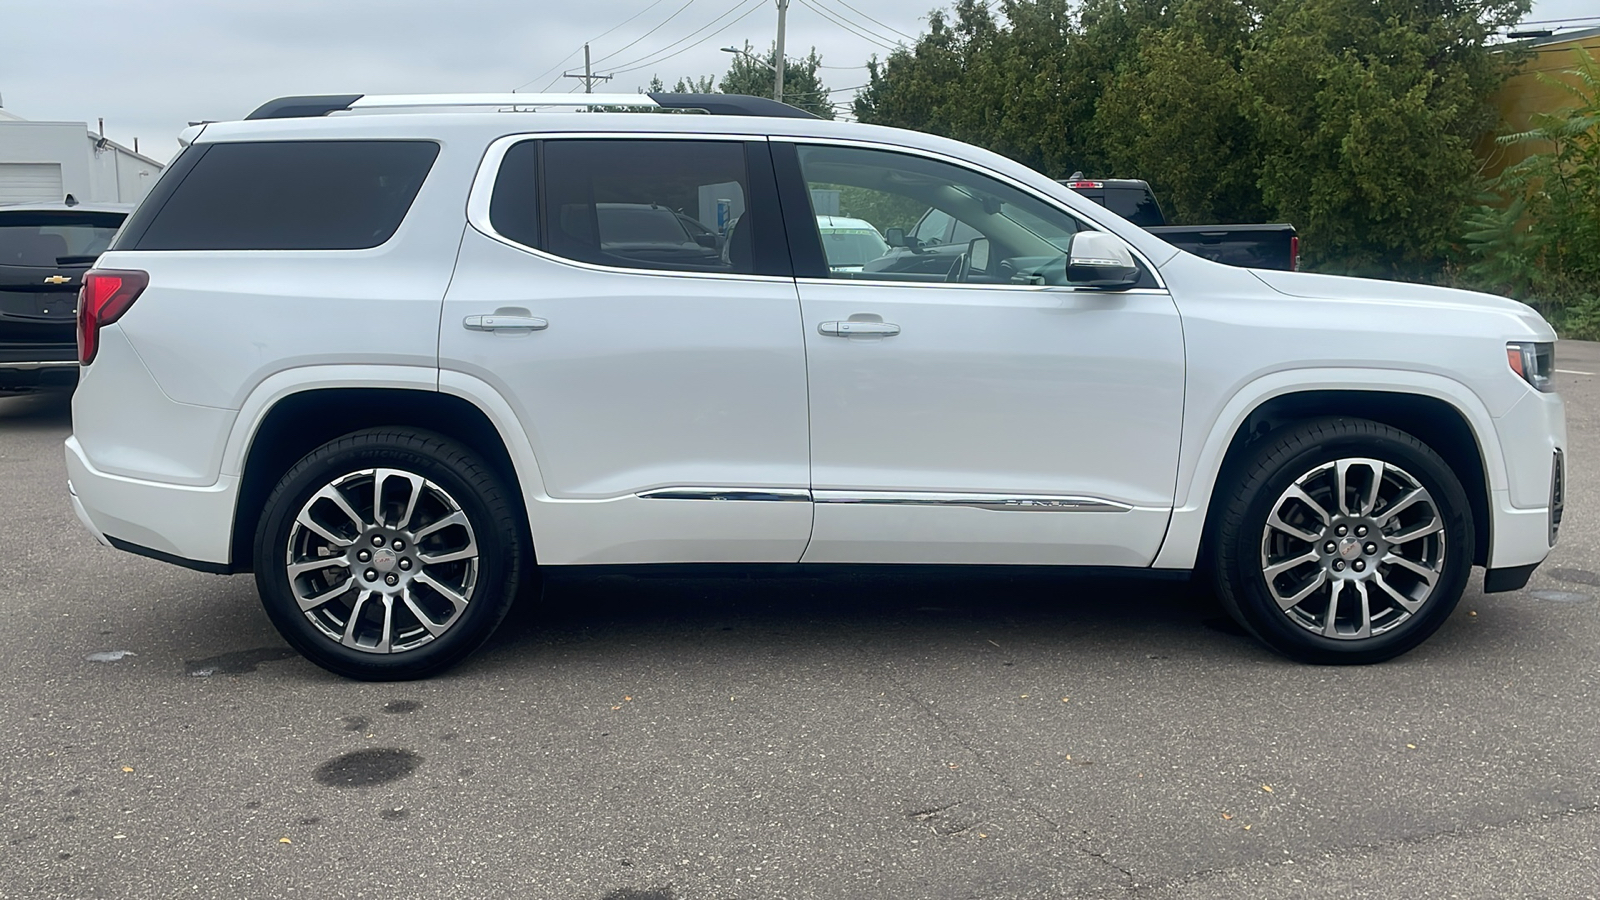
(182,524)
(37,374)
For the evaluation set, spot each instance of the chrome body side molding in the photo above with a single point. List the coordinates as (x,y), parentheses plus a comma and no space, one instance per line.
(998,502)
(769,495)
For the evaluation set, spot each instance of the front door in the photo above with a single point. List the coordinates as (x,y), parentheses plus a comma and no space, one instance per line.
(967,405)
(631,300)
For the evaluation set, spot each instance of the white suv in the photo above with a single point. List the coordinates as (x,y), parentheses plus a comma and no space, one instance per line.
(387,353)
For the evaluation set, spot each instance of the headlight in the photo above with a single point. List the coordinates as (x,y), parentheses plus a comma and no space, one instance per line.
(1534,362)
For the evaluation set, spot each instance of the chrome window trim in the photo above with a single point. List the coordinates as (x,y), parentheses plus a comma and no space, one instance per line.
(1161,284)
(996,502)
(765,495)
(482,193)
(1018,288)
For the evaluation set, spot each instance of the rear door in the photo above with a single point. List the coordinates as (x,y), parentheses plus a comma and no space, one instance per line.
(657,368)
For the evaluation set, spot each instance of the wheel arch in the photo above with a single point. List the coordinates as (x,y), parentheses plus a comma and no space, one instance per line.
(1429,419)
(1442,413)
(298,422)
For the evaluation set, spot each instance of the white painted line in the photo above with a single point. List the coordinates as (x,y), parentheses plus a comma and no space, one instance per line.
(1573,372)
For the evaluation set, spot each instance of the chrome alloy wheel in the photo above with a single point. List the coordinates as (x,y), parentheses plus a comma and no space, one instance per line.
(1353,548)
(382,560)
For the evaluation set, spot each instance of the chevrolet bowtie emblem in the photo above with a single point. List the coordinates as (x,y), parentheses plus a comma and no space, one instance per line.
(57,279)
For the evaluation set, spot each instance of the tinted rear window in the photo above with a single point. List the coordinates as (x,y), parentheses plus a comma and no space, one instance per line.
(292,195)
(1133,204)
(50,239)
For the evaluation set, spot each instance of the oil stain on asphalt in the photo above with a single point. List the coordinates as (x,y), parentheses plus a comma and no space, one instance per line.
(365,768)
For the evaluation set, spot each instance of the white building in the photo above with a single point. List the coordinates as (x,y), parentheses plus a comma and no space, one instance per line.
(43,162)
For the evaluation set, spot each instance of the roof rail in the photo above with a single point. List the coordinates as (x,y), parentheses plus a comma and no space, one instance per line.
(715,104)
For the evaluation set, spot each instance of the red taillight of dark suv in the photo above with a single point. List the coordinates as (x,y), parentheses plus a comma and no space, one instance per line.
(106,295)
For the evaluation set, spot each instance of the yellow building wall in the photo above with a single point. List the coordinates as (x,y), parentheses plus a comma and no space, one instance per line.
(1524,94)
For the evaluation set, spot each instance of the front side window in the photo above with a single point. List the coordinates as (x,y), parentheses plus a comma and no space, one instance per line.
(651,204)
(929,214)
(291,195)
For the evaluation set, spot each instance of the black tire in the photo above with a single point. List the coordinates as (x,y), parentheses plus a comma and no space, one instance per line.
(1241,542)
(492,528)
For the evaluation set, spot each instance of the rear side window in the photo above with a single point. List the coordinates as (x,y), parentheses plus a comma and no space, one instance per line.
(291,195)
(650,204)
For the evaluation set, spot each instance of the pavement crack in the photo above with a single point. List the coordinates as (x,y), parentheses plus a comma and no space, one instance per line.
(1082,845)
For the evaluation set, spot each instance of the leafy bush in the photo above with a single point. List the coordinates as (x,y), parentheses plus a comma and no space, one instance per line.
(1537,235)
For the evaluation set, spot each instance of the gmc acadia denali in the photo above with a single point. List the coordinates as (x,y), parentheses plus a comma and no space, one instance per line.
(390,353)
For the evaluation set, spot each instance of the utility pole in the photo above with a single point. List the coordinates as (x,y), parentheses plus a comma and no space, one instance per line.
(777,70)
(588,77)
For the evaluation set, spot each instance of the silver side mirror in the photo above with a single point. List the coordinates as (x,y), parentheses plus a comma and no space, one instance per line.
(1099,259)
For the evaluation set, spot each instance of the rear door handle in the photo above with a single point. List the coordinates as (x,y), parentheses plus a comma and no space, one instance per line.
(848,329)
(499,322)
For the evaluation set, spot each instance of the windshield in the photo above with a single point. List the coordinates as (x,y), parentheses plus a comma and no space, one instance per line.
(852,248)
(45,240)
(639,225)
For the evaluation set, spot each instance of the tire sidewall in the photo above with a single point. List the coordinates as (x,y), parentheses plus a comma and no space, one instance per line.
(493,590)
(1260,611)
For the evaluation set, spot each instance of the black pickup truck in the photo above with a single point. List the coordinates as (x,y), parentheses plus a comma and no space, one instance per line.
(1250,246)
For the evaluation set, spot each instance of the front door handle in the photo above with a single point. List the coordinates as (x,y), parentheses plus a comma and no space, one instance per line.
(852,328)
(500,322)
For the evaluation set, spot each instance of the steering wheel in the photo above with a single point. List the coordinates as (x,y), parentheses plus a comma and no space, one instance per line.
(959,272)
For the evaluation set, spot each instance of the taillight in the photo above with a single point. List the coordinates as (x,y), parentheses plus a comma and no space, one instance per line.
(1294,252)
(1087,184)
(105,296)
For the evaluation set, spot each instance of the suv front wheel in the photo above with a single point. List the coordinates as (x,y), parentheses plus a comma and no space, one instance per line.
(387,554)
(1345,541)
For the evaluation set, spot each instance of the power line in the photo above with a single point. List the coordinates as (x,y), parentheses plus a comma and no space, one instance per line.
(653,5)
(875,21)
(654,59)
(546,71)
(562,60)
(649,58)
(855,25)
(641,37)
(832,18)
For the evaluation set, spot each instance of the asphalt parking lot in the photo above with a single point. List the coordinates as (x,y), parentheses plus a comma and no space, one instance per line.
(838,734)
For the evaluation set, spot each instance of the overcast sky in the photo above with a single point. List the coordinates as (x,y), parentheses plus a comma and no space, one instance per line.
(150,67)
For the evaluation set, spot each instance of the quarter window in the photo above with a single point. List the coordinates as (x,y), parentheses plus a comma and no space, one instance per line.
(928,214)
(652,204)
(291,195)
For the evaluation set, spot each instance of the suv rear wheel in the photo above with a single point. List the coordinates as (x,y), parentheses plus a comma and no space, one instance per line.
(1346,541)
(388,554)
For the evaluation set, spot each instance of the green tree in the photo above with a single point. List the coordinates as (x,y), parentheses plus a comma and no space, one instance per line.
(1366,111)
(1537,234)
(1175,114)
(752,75)
(1351,119)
